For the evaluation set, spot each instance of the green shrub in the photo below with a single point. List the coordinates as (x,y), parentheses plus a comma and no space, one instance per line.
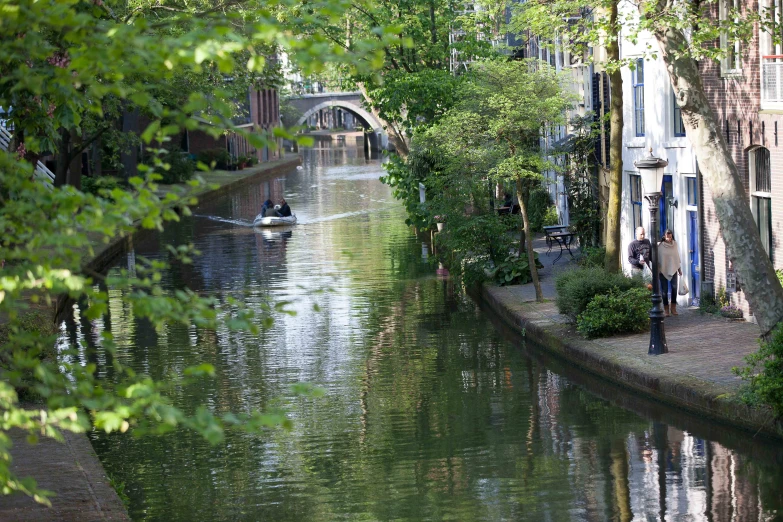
(472,243)
(551,218)
(24,325)
(615,313)
(180,167)
(219,157)
(538,203)
(99,186)
(576,288)
(714,304)
(764,373)
(514,270)
(592,257)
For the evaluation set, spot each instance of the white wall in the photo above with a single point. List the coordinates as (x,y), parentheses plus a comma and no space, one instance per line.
(659,134)
(580,84)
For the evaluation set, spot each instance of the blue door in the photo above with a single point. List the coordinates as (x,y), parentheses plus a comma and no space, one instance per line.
(693,250)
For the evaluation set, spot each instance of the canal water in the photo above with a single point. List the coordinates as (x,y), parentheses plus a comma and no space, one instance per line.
(431,411)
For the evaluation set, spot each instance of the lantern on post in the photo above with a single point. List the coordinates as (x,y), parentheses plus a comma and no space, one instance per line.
(651,170)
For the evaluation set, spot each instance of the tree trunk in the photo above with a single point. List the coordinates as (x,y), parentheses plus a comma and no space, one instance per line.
(622,493)
(529,242)
(74,177)
(129,157)
(732,208)
(61,160)
(396,138)
(97,169)
(613,241)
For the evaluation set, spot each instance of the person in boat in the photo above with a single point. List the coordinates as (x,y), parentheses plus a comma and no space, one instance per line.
(284,210)
(266,208)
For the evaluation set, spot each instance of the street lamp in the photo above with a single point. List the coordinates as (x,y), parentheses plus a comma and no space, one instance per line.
(651,169)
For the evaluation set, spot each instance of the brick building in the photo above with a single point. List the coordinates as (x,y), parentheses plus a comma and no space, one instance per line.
(261,114)
(746,92)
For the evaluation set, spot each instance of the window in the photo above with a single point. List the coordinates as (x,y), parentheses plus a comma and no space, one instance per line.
(636,200)
(731,46)
(679,126)
(693,194)
(761,195)
(638,97)
(771,50)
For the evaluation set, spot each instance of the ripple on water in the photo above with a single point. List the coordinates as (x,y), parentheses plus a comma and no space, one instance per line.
(428,412)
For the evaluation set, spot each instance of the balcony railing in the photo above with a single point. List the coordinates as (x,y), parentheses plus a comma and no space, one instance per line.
(772,78)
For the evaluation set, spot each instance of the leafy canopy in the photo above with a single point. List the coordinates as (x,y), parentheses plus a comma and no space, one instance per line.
(71,66)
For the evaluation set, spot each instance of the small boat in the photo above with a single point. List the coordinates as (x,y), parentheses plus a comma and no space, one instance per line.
(273,221)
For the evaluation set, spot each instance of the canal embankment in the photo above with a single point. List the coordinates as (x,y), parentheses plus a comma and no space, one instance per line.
(216,184)
(71,469)
(695,375)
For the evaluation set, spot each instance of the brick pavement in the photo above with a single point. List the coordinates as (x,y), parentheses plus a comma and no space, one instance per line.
(70,469)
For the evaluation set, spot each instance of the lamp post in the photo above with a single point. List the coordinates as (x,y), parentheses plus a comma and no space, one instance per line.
(651,170)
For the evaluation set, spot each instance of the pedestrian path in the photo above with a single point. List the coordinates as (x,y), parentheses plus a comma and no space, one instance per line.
(73,471)
(696,373)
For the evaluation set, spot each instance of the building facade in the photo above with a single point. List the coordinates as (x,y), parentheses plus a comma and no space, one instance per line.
(745,90)
(653,122)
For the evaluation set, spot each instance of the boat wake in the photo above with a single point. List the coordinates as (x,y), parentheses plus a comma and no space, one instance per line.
(240,222)
(302,220)
(339,216)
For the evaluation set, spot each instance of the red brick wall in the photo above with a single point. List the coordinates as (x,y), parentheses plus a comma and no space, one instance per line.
(737,103)
(199,141)
(265,114)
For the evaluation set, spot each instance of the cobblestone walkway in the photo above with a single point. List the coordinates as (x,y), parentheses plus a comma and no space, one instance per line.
(696,373)
(700,345)
(70,469)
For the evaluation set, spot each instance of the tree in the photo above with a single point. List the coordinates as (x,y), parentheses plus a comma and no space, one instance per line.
(515,102)
(576,26)
(66,69)
(412,87)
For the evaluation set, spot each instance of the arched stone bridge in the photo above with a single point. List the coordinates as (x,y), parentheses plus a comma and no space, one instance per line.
(351,102)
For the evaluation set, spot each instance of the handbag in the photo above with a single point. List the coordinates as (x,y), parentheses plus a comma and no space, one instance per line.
(683,287)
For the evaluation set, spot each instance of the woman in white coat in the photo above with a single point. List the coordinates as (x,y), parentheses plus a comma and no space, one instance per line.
(669,269)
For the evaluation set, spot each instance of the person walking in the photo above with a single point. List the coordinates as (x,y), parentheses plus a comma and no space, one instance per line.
(669,269)
(639,252)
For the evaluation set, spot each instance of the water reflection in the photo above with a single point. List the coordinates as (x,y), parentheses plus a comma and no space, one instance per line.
(431,412)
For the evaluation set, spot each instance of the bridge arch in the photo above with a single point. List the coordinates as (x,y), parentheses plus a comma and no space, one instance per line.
(361,113)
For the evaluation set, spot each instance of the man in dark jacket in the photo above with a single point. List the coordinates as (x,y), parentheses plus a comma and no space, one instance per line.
(639,252)
(285,210)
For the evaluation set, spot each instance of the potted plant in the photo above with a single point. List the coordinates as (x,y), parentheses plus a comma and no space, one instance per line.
(440,222)
(732,312)
(241,162)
